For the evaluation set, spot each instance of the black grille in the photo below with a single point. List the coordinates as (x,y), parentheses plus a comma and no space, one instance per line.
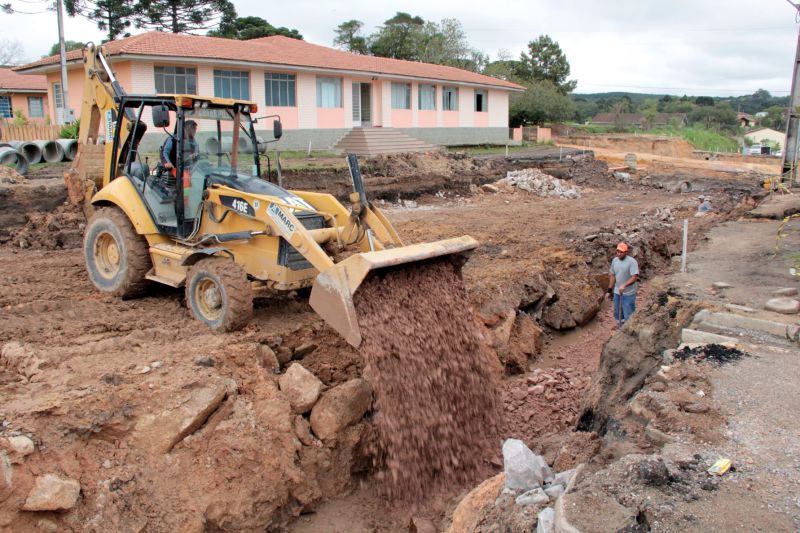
(291,258)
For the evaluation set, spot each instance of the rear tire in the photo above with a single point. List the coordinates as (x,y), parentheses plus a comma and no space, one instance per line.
(219,294)
(117,258)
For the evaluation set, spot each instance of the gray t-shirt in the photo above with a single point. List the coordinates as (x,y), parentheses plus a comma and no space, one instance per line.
(623,271)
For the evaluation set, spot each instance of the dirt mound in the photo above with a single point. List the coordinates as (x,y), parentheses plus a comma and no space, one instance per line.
(435,387)
(61,228)
(647,144)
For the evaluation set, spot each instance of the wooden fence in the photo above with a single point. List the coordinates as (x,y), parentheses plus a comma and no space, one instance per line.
(31,132)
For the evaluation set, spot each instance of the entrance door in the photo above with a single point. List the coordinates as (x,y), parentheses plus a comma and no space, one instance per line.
(366,105)
(362,105)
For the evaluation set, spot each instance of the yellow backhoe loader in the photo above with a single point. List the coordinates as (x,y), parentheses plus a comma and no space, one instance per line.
(203,218)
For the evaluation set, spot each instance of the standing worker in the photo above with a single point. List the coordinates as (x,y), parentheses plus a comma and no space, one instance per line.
(623,284)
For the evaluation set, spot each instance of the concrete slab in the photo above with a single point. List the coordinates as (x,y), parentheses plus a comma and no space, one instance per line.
(691,336)
(777,206)
(730,321)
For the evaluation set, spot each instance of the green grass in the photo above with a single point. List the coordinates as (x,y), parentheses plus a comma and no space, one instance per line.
(487,149)
(700,138)
(303,154)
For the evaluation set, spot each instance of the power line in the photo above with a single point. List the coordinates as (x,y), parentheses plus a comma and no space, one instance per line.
(714,89)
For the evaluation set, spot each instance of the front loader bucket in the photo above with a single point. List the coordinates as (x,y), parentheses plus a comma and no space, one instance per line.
(333,290)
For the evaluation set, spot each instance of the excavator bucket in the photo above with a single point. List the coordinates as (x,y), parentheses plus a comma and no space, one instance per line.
(333,290)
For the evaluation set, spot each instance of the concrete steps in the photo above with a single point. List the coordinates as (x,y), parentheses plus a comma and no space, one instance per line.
(375,141)
(721,328)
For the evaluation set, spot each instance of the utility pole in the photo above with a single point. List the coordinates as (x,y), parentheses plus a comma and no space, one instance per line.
(66,115)
(789,167)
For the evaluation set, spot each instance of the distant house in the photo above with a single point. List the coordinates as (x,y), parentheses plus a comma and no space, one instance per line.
(23,93)
(320,93)
(760,134)
(639,120)
(745,120)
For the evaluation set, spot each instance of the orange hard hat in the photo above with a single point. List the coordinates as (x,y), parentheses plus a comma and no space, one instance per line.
(622,247)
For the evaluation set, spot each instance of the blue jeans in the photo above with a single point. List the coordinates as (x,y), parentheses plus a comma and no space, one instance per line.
(628,307)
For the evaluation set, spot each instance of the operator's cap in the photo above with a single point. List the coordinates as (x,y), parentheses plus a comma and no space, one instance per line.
(191,123)
(701,197)
(622,247)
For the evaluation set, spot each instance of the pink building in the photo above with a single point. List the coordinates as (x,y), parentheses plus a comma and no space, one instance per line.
(23,93)
(320,93)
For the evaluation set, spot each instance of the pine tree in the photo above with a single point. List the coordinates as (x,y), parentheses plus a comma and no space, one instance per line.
(111,16)
(183,16)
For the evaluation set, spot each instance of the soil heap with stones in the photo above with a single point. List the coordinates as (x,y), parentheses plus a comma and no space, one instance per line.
(437,406)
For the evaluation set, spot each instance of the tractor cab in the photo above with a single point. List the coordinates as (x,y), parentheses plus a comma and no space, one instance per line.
(194,144)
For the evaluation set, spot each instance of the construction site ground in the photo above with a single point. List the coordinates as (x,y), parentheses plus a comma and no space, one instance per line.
(104,386)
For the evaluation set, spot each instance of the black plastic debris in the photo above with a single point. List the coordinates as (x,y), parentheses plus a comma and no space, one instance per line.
(715,354)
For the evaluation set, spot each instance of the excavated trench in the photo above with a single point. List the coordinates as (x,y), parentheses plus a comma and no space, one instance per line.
(265,445)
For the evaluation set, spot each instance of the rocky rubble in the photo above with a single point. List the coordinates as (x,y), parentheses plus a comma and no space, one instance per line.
(535,181)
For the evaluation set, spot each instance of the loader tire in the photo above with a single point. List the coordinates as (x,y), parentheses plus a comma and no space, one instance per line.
(117,258)
(219,294)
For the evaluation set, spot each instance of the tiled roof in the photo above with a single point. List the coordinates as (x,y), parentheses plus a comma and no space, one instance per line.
(278,50)
(10,80)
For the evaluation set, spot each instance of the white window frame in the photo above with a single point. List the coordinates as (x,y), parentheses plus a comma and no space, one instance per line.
(333,101)
(282,84)
(40,111)
(58,96)
(401,95)
(485,101)
(428,92)
(170,76)
(450,98)
(6,108)
(225,81)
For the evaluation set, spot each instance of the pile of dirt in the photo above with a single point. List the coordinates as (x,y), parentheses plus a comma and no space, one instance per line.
(61,228)
(437,408)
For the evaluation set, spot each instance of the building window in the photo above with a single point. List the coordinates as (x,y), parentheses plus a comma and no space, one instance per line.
(401,95)
(232,84)
(58,96)
(450,98)
(427,97)
(280,90)
(481,101)
(35,107)
(5,107)
(176,80)
(329,92)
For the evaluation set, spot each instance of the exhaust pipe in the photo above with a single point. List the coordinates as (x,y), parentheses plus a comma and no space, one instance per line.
(29,149)
(52,152)
(13,158)
(70,148)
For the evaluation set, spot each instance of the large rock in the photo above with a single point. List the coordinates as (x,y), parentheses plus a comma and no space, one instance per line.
(471,510)
(524,469)
(6,475)
(160,432)
(301,388)
(786,306)
(341,406)
(52,493)
(544,522)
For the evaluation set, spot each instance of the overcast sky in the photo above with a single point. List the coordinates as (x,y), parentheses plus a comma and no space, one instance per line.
(695,47)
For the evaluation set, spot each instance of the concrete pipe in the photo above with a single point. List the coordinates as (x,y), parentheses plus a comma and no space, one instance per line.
(52,152)
(70,147)
(681,186)
(29,149)
(13,158)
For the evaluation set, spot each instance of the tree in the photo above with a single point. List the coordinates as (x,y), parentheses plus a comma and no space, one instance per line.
(183,16)
(246,28)
(705,101)
(349,37)
(718,118)
(111,16)
(546,61)
(446,44)
(10,52)
(541,102)
(776,118)
(69,45)
(398,38)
